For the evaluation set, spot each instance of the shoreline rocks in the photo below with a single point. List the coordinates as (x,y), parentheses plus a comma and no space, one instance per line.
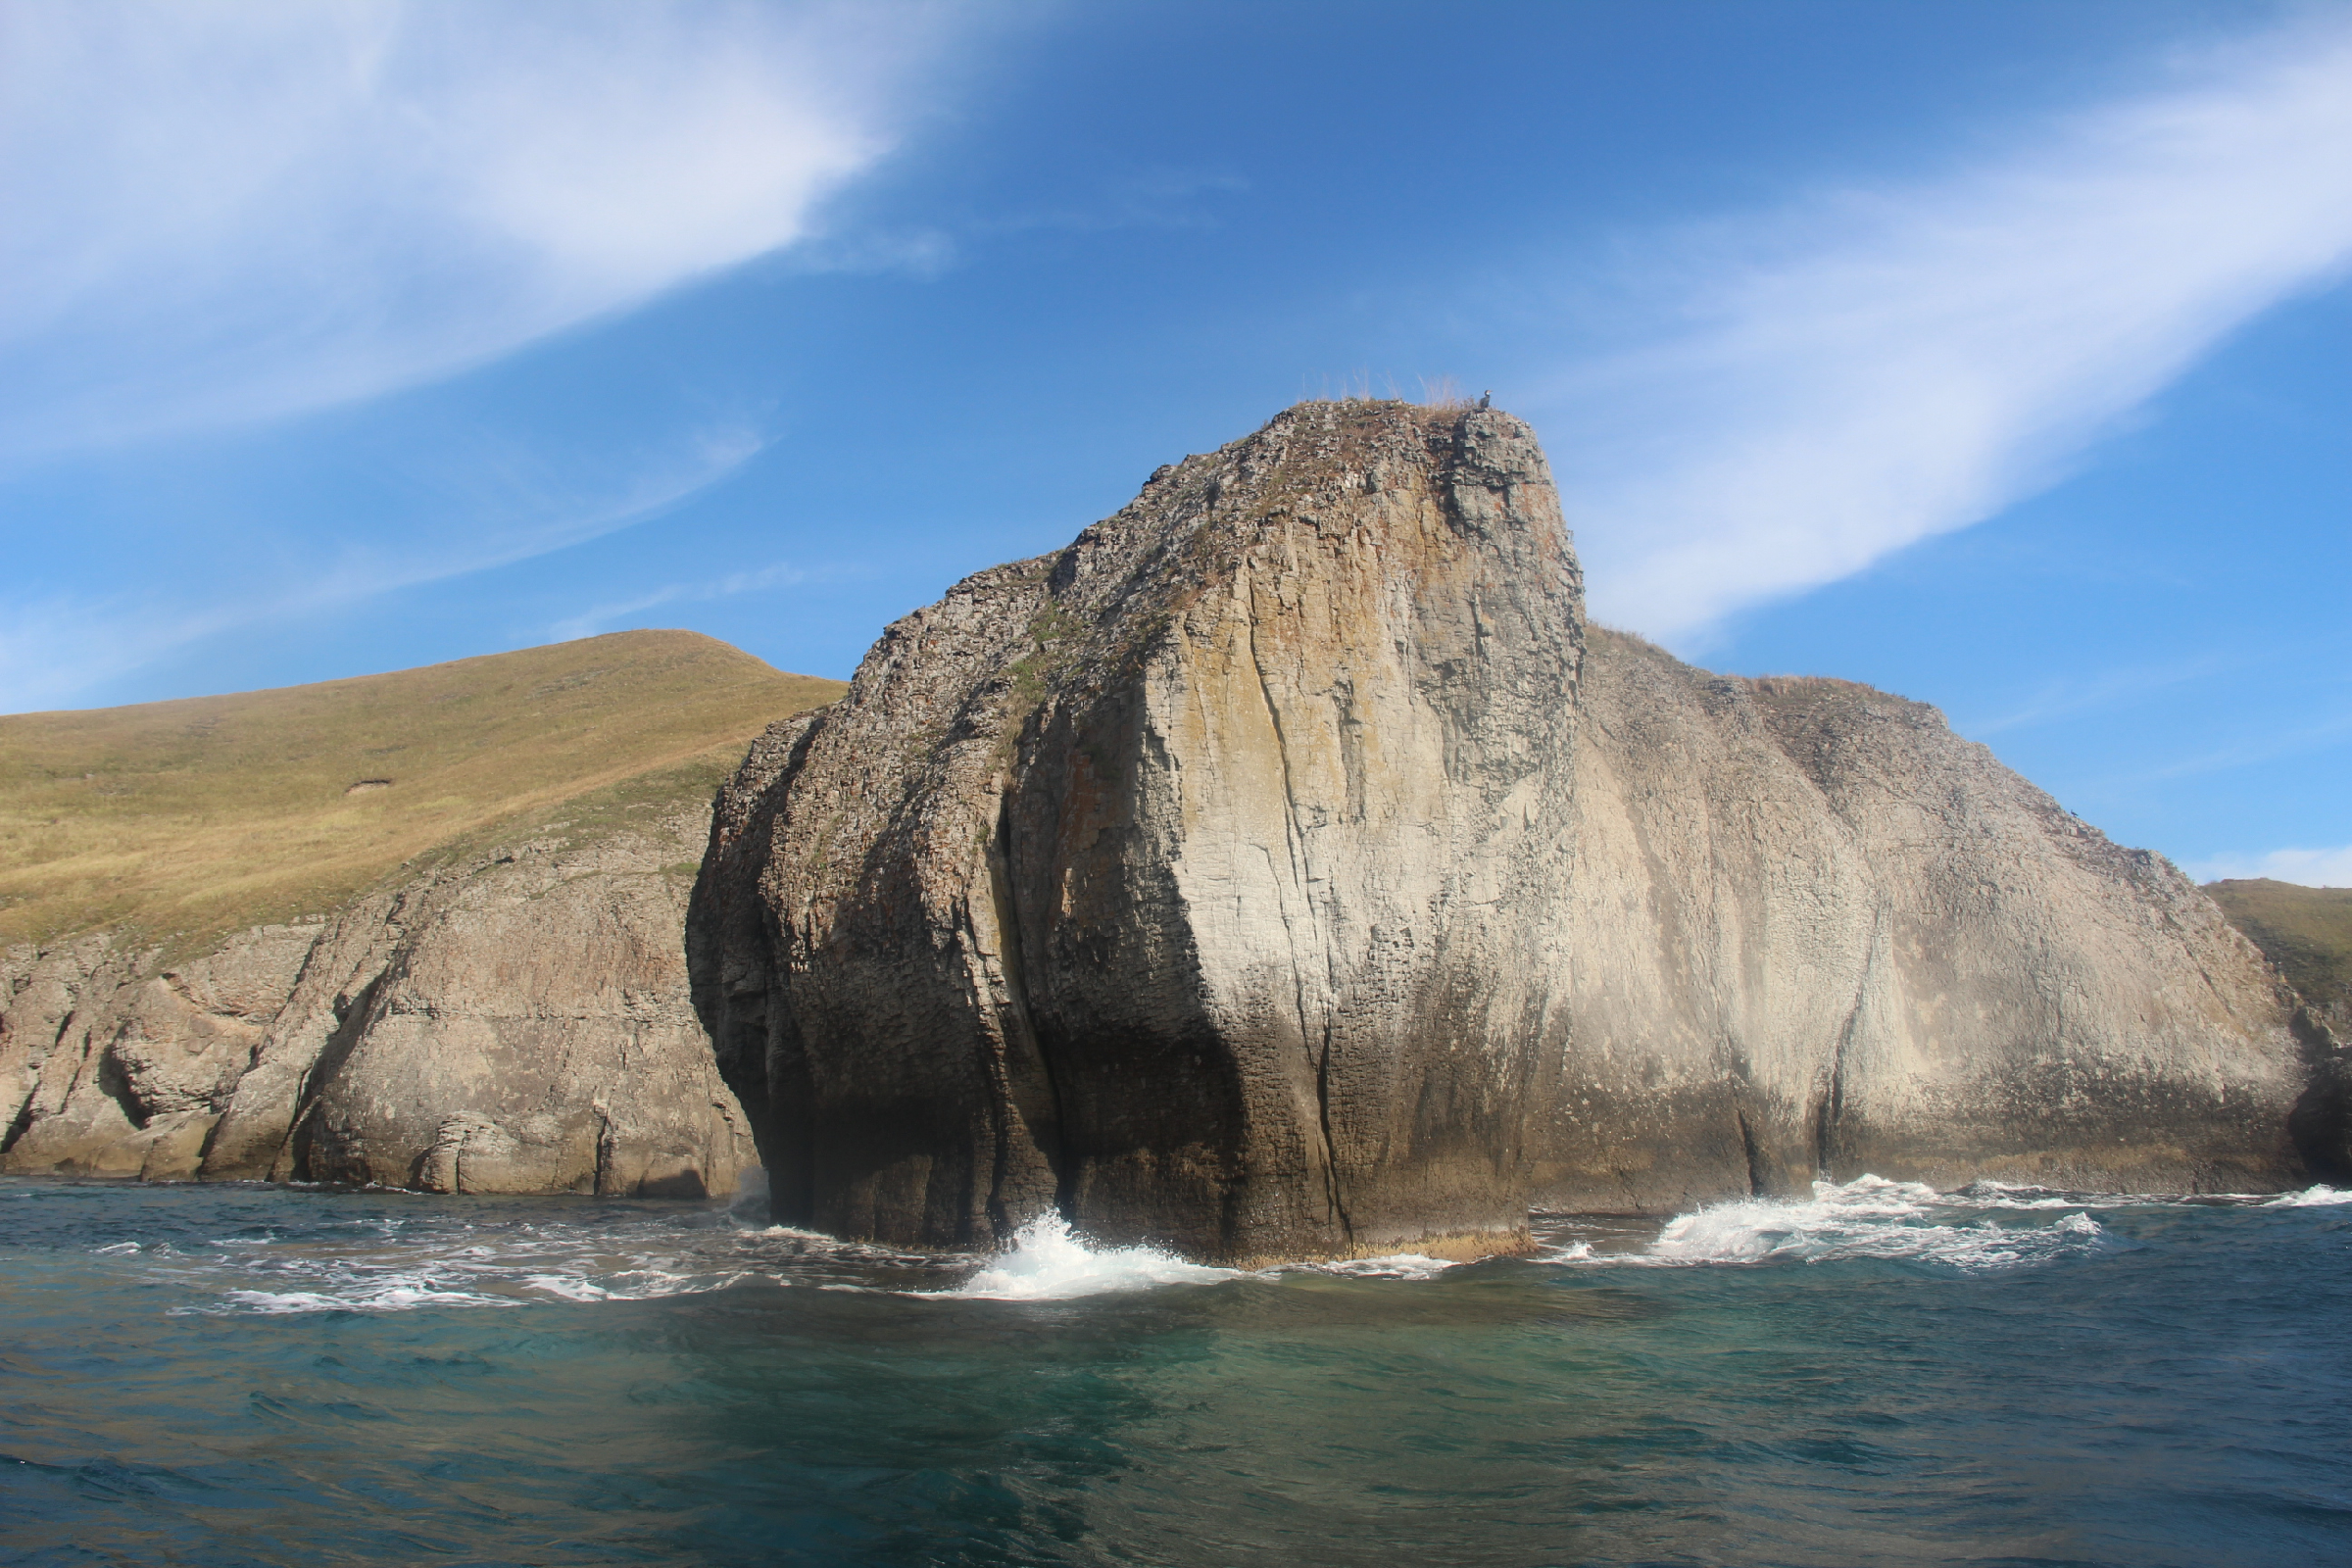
(515,1023)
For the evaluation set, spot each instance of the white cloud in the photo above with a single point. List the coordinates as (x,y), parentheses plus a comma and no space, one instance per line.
(1840,381)
(2314,868)
(229,210)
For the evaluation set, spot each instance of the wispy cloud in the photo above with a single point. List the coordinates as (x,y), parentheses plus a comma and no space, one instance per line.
(2070,698)
(1833,382)
(589,622)
(228,209)
(2268,746)
(2314,868)
(57,647)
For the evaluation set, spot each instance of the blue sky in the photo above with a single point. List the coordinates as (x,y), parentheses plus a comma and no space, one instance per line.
(1996,354)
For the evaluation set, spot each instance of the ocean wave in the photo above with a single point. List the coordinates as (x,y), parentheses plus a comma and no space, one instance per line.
(1869,1217)
(1392,1267)
(1048,1262)
(445,1257)
(444,1261)
(2321,1197)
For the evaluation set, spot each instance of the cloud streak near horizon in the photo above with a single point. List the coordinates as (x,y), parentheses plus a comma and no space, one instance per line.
(55,647)
(1827,384)
(231,212)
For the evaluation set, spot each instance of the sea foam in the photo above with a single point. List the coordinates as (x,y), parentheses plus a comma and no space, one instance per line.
(1049,1261)
(2321,1197)
(1869,1217)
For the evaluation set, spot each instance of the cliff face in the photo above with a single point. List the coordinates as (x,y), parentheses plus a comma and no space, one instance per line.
(1271,873)
(481,1006)
(1816,933)
(1186,879)
(518,1022)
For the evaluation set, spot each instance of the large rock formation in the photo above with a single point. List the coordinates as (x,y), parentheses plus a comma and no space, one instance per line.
(1275,873)
(515,1021)
(1189,879)
(1815,932)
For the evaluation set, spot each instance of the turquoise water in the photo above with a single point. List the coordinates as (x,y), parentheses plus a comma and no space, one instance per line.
(252,1375)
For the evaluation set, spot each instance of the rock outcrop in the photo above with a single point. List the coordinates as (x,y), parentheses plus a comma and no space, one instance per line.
(516,1021)
(1816,933)
(1279,871)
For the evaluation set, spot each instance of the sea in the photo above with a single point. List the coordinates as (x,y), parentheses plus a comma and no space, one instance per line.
(1877,1374)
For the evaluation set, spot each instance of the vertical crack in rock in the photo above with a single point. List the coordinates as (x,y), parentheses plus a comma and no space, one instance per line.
(1755,1159)
(1303,884)
(1832,1110)
(1026,1073)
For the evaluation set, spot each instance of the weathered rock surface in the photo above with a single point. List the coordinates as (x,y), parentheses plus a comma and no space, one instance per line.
(1816,933)
(1194,879)
(1273,873)
(515,1023)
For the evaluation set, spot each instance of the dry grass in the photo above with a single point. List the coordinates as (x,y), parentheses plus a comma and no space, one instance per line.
(190,818)
(1439,394)
(2307,932)
(1443,395)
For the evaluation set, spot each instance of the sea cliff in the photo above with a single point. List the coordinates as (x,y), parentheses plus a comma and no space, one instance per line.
(417,930)
(1286,868)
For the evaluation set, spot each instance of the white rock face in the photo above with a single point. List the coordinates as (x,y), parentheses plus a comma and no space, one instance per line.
(1271,873)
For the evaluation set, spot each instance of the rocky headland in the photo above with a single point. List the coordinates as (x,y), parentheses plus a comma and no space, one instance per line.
(493,997)
(1287,869)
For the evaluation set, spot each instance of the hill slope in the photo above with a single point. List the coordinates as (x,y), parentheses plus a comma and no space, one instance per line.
(2307,932)
(188,820)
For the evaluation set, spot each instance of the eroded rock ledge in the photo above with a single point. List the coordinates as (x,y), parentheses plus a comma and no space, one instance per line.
(1280,872)
(518,1022)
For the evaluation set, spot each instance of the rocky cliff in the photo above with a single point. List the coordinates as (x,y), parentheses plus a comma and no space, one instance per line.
(513,1022)
(1815,932)
(1285,869)
(493,997)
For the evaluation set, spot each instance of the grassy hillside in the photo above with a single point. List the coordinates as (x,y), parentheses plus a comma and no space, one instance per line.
(189,818)
(2307,932)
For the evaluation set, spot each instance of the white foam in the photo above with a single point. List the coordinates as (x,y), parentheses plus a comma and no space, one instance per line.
(391,1297)
(1985,1194)
(1048,1262)
(2321,1197)
(1396,1267)
(1869,1217)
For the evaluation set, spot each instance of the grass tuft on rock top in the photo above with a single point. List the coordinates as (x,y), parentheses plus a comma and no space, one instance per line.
(2307,932)
(185,821)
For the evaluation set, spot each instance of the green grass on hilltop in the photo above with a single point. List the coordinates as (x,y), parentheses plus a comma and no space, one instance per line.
(188,820)
(2307,932)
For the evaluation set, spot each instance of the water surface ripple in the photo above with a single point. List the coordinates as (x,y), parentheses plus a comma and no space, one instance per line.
(1879,1375)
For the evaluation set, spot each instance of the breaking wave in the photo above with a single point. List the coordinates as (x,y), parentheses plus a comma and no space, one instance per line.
(436,1253)
(2311,1198)
(1869,1217)
(1048,1262)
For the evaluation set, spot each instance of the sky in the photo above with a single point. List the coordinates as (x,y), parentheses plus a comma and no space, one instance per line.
(1997,354)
